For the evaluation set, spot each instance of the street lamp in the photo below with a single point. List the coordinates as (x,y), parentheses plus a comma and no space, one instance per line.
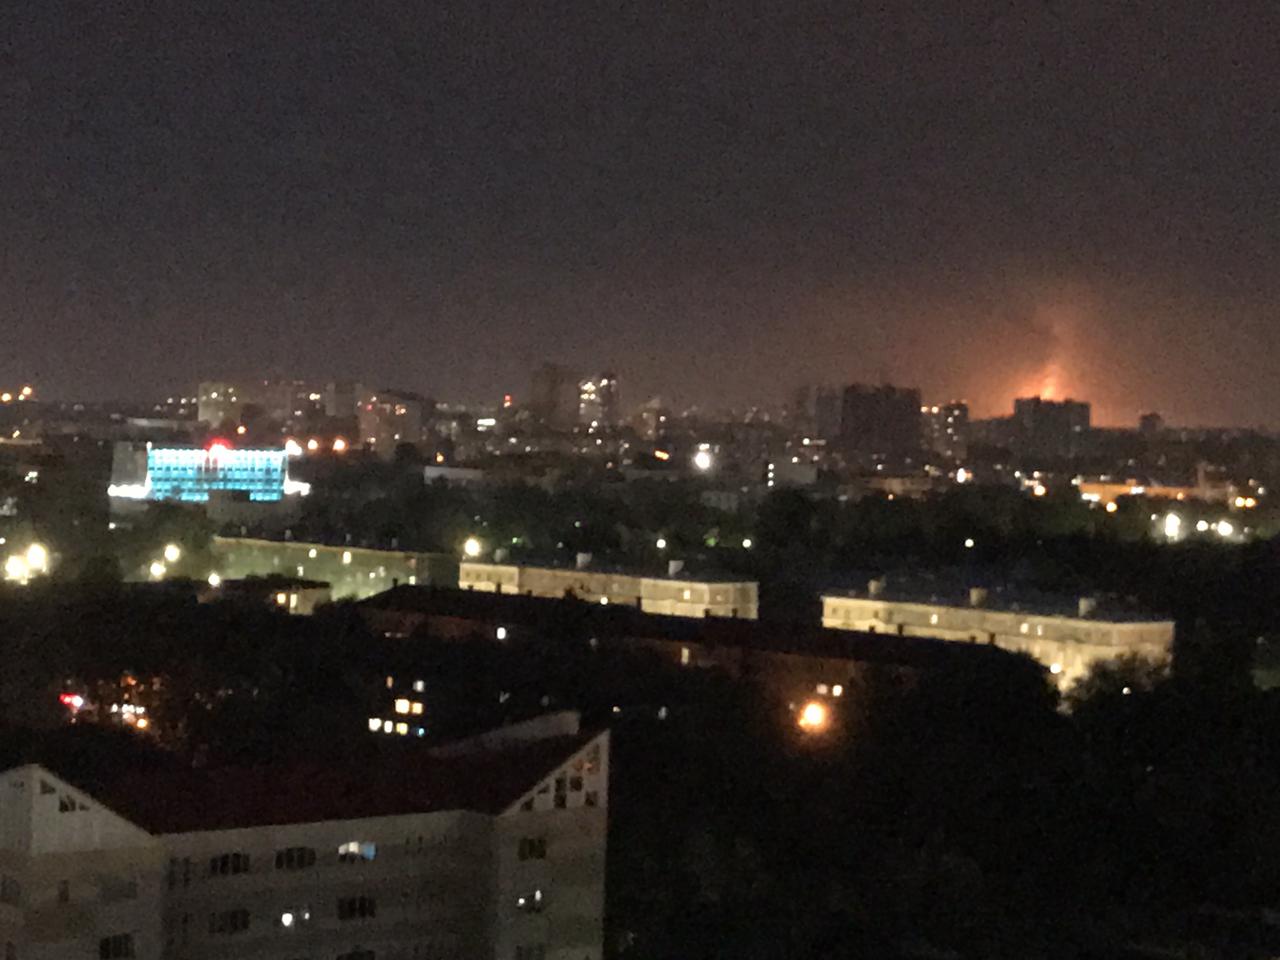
(172,552)
(814,717)
(472,547)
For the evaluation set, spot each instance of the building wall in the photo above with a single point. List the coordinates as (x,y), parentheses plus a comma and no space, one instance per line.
(681,598)
(351,572)
(433,866)
(72,872)
(1067,646)
(571,876)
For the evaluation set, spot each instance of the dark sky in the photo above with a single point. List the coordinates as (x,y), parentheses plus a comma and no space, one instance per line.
(719,201)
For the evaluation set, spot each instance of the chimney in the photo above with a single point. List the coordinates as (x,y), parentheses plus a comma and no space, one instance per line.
(1087,607)
(977,596)
(582,561)
(674,567)
(875,588)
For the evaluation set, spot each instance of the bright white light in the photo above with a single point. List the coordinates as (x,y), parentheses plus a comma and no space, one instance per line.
(346,556)
(215,581)
(813,717)
(313,445)
(661,543)
(472,547)
(1172,525)
(1039,490)
(837,690)
(286,919)
(604,601)
(339,445)
(37,558)
(501,633)
(746,543)
(962,475)
(375,724)
(1055,668)
(968,543)
(1202,526)
(703,460)
(1111,506)
(292,448)
(172,552)
(157,570)
(1225,528)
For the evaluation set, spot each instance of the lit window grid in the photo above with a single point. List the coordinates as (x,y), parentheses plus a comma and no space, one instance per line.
(191,475)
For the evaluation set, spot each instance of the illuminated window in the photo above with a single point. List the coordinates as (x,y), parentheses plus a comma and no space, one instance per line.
(684,656)
(415,708)
(530,902)
(355,851)
(402,706)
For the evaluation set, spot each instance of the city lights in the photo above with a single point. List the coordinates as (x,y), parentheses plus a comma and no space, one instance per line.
(339,445)
(292,448)
(703,460)
(1039,490)
(37,558)
(661,543)
(215,581)
(313,445)
(968,543)
(16,569)
(746,543)
(813,717)
(1111,506)
(157,570)
(1172,526)
(1225,528)
(472,547)
(172,553)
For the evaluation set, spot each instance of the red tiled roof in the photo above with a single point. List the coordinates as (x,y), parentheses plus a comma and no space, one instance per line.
(413,782)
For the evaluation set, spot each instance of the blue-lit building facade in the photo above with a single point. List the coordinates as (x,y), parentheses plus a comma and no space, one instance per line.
(200,474)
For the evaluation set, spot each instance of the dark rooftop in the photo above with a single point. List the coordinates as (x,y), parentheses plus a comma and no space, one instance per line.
(414,781)
(618,621)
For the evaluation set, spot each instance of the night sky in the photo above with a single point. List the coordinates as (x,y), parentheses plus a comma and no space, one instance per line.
(719,201)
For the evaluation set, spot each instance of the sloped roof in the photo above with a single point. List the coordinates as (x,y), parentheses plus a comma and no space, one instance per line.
(413,781)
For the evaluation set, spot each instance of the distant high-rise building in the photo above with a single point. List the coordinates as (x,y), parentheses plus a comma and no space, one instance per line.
(1050,428)
(598,402)
(389,418)
(946,429)
(827,402)
(1150,424)
(651,420)
(290,405)
(553,395)
(880,421)
(341,397)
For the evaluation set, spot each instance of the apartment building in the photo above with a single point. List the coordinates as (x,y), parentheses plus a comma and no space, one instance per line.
(493,848)
(1067,642)
(677,594)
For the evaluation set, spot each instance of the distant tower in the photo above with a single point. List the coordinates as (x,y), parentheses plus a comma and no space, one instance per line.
(551,395)
(598,402)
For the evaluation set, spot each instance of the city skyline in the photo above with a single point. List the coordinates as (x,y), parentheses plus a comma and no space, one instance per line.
(986,207)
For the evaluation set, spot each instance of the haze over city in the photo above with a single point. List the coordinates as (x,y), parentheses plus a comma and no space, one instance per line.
(719,206)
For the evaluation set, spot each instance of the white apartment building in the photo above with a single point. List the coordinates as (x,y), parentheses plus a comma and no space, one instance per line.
(493,850)
(673,595)
(1068,645)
